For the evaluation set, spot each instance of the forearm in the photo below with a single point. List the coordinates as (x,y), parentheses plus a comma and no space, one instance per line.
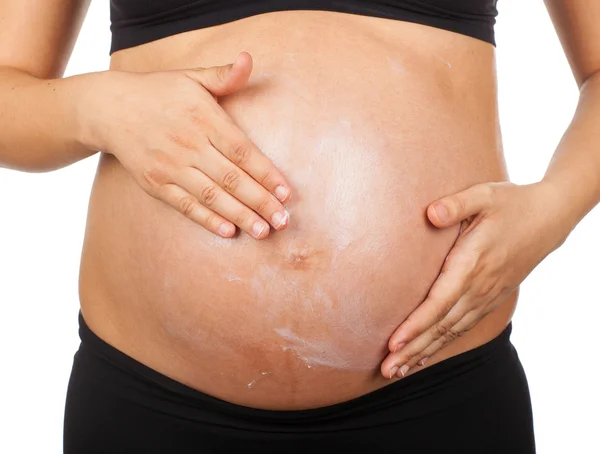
(574,171)
(40,120)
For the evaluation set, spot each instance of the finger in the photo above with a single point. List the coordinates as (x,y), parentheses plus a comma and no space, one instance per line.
(188,205)
(465,324)
(229,140)
(208,193)
(468,322)
(242,187)
(399,362)
(455,208)
(226,79)
(443,295)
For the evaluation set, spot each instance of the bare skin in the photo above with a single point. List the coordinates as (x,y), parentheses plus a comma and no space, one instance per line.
(367,120)
(364,133)
(509,229)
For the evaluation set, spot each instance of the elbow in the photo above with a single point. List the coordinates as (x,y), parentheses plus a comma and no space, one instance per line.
(590,78)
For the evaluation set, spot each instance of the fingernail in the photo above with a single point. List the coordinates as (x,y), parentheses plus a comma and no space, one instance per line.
(399,346)
(281,192)
(279,219)
(258,228)
(422,361)
(393,371)
(404,370)
(225,229)
(441,212)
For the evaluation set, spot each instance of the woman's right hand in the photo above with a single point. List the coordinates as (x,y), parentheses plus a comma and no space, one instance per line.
(169,132)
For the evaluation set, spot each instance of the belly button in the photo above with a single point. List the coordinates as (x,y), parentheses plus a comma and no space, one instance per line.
(298,257)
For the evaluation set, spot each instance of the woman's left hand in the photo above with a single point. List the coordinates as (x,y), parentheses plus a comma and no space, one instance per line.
(506,231)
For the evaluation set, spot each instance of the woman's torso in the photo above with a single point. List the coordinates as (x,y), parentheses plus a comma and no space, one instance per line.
(370,120)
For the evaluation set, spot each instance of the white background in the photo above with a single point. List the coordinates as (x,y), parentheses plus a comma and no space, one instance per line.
(42,218)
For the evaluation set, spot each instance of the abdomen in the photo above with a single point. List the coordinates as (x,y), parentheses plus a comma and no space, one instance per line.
(368,130)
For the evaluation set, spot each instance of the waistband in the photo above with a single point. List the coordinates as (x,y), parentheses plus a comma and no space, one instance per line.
(437,387)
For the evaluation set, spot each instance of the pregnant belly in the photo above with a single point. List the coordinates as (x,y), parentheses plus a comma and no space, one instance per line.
(367,140)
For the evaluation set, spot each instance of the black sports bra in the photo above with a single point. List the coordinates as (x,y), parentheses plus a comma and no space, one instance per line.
(135,22)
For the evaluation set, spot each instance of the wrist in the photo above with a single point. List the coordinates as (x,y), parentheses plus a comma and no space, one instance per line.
(90,94)
(556,208)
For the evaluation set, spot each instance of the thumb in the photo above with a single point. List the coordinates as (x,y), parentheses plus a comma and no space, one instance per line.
(455,208)
(224,80)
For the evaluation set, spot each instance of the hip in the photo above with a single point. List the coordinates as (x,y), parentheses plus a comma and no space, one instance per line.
(478,400)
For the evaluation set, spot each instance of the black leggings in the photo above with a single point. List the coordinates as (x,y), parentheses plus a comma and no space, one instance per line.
(474,403)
